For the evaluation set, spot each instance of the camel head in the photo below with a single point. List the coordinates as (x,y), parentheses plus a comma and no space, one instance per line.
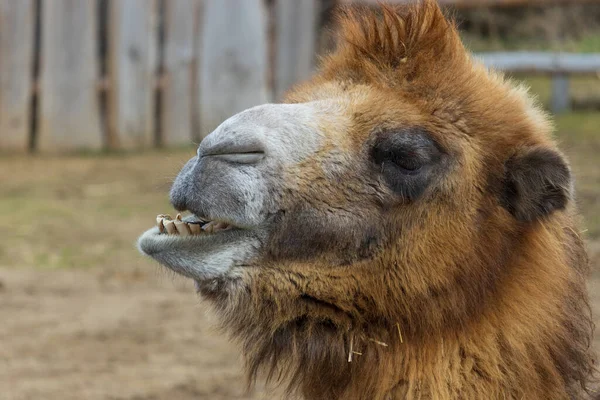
(404,215)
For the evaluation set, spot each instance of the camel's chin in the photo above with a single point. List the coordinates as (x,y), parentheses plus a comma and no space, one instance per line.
(201,257)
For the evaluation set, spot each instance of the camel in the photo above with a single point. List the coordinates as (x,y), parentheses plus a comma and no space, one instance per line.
(401,227)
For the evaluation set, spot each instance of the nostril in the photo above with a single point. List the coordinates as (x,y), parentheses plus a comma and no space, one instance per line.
(241,158)
(242,153)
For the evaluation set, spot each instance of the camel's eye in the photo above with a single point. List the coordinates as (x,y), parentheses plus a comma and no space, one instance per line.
(405,157)
(408,161)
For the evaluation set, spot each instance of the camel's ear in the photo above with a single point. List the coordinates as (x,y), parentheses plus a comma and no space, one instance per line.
(537,182)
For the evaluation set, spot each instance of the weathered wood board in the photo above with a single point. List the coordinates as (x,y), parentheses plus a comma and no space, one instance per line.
(132,60)
(180,19)
(196,73)
(69,117)
(233,61)
(296,38)
(16,66)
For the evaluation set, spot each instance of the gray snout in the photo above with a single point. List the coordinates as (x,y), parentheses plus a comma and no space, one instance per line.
(226,187)
(233,178)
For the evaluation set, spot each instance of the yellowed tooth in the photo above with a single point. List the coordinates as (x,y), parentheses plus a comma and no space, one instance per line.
(170,226)
(164,216)
(161,226)
(178,217)
(210,227)
(181,226)
(194,228)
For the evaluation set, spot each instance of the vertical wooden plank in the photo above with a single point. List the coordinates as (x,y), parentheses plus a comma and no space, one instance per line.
(69,117)
(198,32)
(560,93)
(234,59)
(16,59)
(132,67)
(179,57)
(296,30)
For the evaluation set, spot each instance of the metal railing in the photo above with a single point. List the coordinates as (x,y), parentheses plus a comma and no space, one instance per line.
(557,65)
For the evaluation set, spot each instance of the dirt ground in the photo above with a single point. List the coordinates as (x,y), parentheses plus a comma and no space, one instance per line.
(84,316)
(110,335)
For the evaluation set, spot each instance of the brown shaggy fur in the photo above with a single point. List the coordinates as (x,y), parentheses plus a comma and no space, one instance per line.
(476,290)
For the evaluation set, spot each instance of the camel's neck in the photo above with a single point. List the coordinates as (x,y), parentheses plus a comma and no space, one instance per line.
(515,351)
(490,364)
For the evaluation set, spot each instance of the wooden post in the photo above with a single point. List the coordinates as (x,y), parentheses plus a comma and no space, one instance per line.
(296,29)
(69,117)
(16,68)
(132,62)
(561,100)
(234,59)
(179,63)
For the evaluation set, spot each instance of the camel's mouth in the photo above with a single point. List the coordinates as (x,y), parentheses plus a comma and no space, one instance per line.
(200,248)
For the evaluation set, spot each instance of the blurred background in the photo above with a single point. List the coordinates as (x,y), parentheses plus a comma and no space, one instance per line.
(101,103)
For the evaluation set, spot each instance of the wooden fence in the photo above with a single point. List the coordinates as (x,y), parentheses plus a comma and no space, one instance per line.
(133,74)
